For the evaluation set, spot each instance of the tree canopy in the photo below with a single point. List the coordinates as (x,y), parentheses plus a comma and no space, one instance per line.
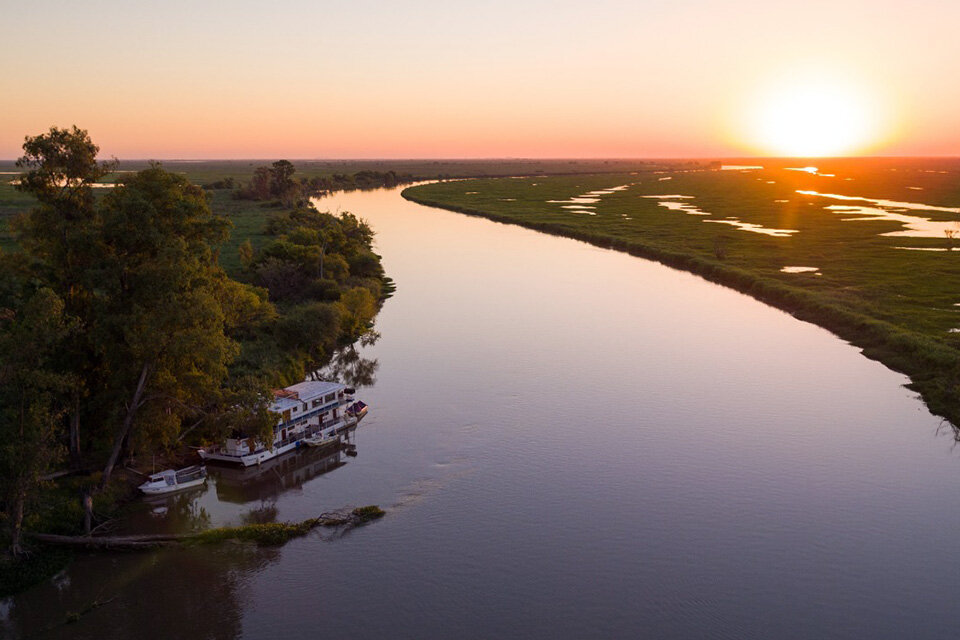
(120,333)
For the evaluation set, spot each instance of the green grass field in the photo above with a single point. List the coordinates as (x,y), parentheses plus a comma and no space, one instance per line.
(902,305)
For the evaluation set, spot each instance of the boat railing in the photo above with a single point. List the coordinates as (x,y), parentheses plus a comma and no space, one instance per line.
(313,412)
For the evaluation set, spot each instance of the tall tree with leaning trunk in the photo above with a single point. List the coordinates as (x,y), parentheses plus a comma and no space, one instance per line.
(157,311)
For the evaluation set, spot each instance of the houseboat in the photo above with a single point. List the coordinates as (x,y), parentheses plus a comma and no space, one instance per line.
(314,410)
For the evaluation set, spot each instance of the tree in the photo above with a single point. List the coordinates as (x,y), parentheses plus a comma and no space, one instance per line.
(281,173)
(158,318)
(260,184)
(358,307)
(61,167)
(246,253)
(32,400)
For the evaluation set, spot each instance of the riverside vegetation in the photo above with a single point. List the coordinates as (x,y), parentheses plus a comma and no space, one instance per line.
(896,297)
(122,335)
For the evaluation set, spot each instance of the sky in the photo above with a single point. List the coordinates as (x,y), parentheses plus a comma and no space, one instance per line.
(432,79)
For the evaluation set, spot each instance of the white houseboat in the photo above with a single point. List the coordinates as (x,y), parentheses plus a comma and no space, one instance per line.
(314,410)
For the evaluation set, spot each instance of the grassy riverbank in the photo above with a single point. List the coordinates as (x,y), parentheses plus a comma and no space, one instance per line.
(900,305)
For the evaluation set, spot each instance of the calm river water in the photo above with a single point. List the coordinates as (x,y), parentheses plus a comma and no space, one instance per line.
(569,442)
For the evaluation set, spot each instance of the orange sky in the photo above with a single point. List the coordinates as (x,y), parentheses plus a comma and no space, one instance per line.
(426,78)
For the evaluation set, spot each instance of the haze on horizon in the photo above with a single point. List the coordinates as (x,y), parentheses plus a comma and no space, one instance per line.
(654,78)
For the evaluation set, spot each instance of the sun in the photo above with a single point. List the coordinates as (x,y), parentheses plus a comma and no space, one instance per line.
(812,118)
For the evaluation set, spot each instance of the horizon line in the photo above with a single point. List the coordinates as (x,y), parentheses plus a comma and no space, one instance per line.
(528,158)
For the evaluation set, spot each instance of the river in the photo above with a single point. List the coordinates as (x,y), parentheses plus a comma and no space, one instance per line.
(569,442)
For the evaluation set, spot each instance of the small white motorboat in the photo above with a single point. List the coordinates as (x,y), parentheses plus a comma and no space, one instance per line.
(320,440)
(171,480)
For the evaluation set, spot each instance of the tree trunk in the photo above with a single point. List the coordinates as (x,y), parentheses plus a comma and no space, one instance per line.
(75,433)
(125,427)
(86,501)
(17,526)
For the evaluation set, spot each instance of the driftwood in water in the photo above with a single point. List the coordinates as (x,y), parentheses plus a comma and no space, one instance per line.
(267,534)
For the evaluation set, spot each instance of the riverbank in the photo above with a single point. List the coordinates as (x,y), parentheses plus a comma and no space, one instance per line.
(908,336)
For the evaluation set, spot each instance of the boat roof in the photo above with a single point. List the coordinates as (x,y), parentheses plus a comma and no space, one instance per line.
(303,392)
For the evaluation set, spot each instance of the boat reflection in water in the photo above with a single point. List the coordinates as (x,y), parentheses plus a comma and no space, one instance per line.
(178,512)
(239,485)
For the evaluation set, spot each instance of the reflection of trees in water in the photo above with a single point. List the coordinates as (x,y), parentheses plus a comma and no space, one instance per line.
(181,593)
(181,511)
(261,515)
(946,426)
(349,367)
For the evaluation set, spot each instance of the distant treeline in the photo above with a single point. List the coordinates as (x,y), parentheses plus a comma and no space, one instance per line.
(276,182)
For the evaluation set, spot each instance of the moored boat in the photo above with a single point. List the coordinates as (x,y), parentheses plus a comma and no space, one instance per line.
(314,410)
(357,410)
(319,440)
(171,480)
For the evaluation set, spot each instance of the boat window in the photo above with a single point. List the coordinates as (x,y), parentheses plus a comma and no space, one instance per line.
(330,397)
(316,403)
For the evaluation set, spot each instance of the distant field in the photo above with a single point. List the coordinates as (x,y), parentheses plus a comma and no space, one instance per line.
(201,171)
(829,260)
(248,217)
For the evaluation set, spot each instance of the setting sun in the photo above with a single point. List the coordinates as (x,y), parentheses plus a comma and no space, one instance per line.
(813,118)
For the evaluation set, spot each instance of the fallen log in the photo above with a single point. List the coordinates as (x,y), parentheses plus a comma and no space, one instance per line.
(111,542)
(273,533)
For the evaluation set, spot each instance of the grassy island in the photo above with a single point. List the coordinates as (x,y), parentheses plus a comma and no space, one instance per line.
(868,249)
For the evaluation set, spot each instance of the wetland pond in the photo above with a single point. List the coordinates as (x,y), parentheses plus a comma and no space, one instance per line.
(568,442)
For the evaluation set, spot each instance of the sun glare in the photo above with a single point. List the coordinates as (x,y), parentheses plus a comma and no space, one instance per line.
(813,118)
